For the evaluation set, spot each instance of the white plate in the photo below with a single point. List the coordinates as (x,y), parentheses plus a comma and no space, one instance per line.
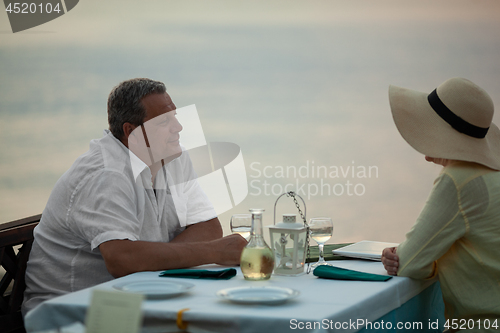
(258,295)
(155,288)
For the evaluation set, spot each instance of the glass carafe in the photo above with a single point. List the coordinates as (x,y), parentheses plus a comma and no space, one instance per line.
(257,259)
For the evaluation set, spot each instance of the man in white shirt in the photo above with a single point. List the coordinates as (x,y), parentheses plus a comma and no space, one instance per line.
(129,204)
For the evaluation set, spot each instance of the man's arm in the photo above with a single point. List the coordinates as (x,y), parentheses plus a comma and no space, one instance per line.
(123,257)
(202,231)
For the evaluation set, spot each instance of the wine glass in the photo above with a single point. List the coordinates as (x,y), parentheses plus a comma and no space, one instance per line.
(241,224)
(321,230)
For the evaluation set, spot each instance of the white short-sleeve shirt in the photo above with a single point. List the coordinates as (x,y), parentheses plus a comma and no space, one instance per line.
(107,194)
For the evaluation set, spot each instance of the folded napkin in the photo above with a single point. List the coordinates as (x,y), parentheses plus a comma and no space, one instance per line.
(224,274)
(327,252)
(337,273)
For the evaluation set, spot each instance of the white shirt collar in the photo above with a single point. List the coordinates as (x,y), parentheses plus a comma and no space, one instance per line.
(138,166)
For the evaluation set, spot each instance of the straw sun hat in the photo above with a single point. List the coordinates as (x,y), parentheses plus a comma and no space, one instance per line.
(452,122)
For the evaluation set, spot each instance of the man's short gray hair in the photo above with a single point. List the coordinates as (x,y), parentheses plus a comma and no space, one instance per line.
(124,103)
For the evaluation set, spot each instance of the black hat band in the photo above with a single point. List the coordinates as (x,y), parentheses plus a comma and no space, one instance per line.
(455,121)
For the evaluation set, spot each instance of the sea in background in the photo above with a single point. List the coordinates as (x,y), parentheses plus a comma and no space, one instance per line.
(296,84)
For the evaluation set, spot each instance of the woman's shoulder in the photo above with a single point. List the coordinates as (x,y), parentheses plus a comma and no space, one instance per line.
(463,172)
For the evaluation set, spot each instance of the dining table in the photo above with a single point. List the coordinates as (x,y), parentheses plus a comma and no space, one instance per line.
(399,304)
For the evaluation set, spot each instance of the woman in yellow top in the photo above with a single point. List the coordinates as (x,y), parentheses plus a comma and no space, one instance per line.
(457,235)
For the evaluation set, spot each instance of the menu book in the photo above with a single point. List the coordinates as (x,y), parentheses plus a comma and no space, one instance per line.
(364,250)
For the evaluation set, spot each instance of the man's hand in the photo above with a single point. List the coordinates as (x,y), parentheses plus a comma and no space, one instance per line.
(228,249)
(390,260)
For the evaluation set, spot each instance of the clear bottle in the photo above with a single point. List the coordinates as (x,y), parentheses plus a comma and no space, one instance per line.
(257,259)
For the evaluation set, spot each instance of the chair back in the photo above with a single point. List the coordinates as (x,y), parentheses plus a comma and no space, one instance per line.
(16,238)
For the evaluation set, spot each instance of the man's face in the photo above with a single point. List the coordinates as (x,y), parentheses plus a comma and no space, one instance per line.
(158,137)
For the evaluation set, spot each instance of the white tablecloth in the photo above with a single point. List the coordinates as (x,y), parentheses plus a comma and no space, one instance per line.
(338,302)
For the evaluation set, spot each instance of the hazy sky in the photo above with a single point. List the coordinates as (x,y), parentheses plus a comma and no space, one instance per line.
(293,83)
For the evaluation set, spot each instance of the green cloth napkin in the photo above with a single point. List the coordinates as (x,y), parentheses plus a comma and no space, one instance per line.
(327,252)
(337,273)
(224,274)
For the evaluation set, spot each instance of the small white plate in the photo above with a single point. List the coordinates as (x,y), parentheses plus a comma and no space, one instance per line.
(155,288)
(258,295)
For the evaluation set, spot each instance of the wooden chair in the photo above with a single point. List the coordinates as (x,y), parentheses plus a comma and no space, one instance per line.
(12,235)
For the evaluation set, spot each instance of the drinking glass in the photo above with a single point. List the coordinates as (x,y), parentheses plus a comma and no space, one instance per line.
(241,224)
(321,230)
